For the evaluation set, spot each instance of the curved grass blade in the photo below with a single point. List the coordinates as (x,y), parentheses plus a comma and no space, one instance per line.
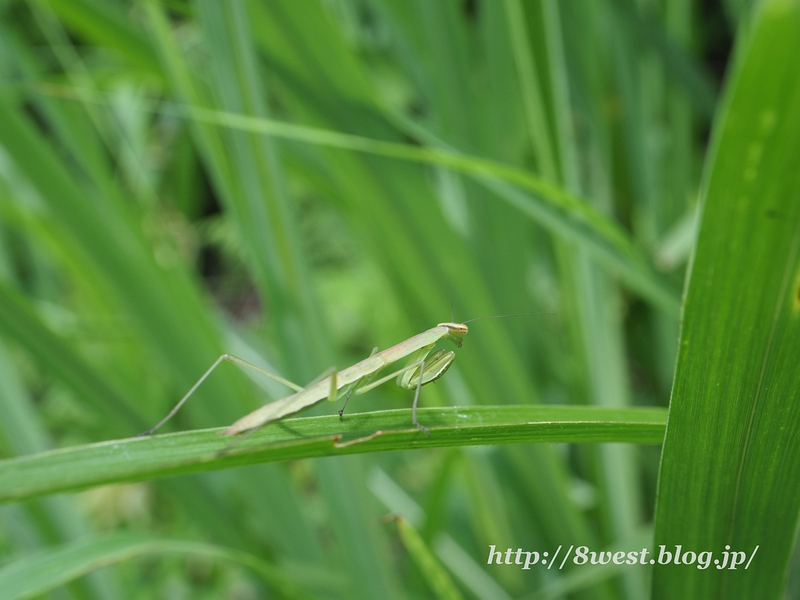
(54,567)
(55,356)
(141,459)
(553,207)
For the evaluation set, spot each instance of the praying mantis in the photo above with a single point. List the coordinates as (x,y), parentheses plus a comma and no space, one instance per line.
(420,370)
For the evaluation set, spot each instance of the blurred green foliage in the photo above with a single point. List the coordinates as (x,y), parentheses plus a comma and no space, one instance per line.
(458,159)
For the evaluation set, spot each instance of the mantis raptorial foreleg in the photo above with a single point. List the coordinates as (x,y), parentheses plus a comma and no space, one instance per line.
(363,381)
(416,400)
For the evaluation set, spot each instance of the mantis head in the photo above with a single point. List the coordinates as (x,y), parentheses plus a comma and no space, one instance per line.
(455,332)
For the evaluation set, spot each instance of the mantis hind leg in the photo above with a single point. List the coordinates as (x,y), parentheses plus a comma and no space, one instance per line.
(224,357)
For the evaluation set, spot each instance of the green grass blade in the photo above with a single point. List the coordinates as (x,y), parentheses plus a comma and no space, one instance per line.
(729,473)
(435,575)
(170,313)
(144,458)
(470,573)
(103,23)
(268,221)
(306,180)
(21,432)
(596,317)
(552,206)
(621,257)
(590,575)
(54,567)
(166,305)
(57,357)
(257,196)
(683,68)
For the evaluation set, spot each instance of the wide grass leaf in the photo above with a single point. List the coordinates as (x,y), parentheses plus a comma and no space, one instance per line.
(730,474)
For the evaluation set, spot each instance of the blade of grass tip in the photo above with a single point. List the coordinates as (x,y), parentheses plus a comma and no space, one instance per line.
(676,245)
(435,575)
(394,497)
(468,572)
(729,467)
